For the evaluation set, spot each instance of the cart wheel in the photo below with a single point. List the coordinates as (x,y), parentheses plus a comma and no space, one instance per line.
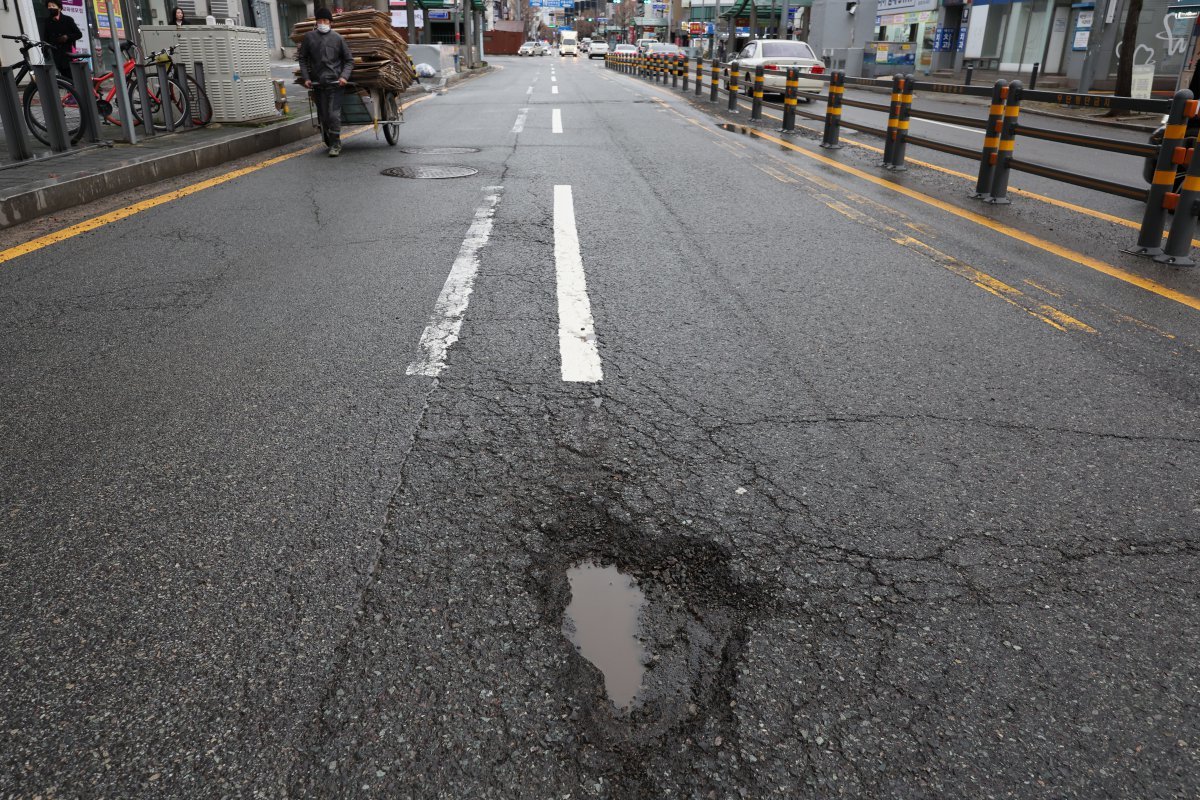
(391,119)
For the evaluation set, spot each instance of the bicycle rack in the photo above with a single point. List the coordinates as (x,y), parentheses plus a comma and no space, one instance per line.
(10,117)
(56,122)
(81,78)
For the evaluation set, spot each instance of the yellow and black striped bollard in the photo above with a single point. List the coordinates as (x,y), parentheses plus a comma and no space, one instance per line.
(833,110)
(902,122)
(756,106)
(714,89)
(699,76)
(998,195)
(991,141)
(1160,198)
(889,142)
(733,86)
(1178,251)
(790,85)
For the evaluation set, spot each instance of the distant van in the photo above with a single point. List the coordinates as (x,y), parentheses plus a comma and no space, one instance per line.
(568,45)
(643,44)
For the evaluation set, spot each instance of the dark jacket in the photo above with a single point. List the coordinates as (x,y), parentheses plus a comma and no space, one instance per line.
(324,57)
(52,30)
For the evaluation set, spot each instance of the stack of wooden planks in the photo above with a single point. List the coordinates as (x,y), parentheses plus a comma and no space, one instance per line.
(380,54)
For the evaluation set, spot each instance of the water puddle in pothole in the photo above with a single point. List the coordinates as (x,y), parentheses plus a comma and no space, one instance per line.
(602,621)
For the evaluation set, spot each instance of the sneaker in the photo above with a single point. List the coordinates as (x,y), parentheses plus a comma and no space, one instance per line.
(335,151)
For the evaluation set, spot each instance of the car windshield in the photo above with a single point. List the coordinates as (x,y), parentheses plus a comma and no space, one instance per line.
(528,44)
(786,50)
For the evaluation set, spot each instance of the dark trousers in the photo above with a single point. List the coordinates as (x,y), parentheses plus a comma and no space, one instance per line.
(329,109)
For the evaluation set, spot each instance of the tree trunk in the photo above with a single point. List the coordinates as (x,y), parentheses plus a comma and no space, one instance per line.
(1128,51)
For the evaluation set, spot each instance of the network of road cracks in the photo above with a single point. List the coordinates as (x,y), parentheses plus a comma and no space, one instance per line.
(856,720)
(872,617)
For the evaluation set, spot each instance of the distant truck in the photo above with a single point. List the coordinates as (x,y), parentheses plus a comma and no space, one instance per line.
(568,44)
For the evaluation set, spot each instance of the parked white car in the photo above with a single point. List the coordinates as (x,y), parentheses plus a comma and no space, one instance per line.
(776,56)
(597,50)
(531,49)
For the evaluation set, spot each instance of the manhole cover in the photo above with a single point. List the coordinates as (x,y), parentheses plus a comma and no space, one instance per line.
(438,151)
(431,173)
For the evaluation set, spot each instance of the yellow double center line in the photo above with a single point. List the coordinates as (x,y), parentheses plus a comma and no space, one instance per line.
(33,245)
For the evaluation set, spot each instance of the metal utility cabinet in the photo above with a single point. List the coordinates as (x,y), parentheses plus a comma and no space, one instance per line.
(237,66)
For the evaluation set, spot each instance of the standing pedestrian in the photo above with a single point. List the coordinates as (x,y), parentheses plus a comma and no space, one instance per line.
(325,67)
(61,31)
(178,18)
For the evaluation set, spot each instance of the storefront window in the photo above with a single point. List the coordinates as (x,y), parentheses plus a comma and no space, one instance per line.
(1028,25)
(1162,38)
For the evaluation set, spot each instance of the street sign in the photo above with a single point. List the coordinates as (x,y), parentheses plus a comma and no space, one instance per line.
(104,26)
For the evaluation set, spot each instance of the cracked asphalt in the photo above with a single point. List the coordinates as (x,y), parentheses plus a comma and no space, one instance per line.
(913,503)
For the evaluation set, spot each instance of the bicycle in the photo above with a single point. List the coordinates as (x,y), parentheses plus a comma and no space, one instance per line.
(198,102)
(33,104)
(104,88)
(106,96)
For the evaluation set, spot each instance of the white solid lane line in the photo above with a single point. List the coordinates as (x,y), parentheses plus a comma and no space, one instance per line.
(556,121)
(947,125)
(519,125)
(451,307)
(553,90)
(576,329)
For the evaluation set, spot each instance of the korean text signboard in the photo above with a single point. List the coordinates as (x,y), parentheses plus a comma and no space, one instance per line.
(108,18)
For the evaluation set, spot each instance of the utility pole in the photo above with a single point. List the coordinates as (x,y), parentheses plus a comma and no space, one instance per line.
(468,17)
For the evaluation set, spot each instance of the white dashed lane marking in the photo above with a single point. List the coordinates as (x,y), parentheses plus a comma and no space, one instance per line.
(442,331)
(576,328)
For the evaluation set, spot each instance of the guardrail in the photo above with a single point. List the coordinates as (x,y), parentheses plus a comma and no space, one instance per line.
(1000,131)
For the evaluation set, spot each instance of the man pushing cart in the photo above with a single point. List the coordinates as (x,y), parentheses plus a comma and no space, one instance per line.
(356,65)
(325,67)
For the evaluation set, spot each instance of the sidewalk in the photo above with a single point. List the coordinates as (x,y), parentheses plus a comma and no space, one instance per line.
(49,183)
(43,185)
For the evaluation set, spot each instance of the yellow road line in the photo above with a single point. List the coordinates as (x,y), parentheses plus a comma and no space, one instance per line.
(71,231)
(1038,286)
(1050,247)
(1009,294)
(972,179)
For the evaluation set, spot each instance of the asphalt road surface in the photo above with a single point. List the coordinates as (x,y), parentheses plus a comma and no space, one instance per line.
(300,470)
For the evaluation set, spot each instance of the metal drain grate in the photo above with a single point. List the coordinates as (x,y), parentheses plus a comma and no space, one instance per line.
(438,151)
(429,173)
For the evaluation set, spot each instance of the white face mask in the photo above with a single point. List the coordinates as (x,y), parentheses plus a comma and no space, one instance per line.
(323,28)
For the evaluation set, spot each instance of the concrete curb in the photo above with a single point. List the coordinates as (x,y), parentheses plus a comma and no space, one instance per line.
(54,194)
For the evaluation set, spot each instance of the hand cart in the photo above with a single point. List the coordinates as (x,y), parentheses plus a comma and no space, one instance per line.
(363,105)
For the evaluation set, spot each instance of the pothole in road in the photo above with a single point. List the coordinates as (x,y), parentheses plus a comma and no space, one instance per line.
(603,621)
(657,620)
(430,173)
(438,151)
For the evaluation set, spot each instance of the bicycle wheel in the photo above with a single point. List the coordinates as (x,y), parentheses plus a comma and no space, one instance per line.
(391,119)
(202,110)
(159,102)
(35,112)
